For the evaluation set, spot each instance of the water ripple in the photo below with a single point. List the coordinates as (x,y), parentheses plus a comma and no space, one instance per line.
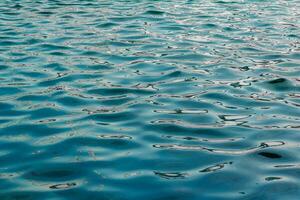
(149,99)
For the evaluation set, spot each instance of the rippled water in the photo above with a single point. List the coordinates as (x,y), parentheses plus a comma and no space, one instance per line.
(149,99)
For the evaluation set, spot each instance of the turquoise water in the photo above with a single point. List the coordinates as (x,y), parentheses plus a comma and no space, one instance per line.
(149,99)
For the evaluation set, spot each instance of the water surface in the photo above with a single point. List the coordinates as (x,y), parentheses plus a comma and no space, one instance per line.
(149,99)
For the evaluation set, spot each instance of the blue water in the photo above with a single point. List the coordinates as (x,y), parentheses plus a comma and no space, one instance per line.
(141,99)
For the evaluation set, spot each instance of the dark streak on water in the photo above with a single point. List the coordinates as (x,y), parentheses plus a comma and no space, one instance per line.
(149,99)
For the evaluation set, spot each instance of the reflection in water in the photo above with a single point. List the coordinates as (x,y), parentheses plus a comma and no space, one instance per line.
(62,186)
(223,151)
(270,155)
(216,167)
(149,99)
(170,175)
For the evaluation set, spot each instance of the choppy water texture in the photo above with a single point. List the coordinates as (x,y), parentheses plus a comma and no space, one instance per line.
(149,99)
